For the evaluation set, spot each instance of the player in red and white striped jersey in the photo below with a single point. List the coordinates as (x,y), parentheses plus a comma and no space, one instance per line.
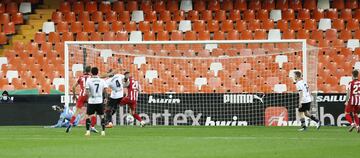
(353,101)
(131,95)
(80,102)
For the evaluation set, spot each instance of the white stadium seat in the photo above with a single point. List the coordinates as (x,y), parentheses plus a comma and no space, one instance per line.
(216,67)
(3,60)
(135,36)
(200,82)
(25,7)
(105,53)
(48,27)
(150,75)
(275,15)
(323,4)
(280,88)
(353,43)
(344,80)
(77,67)
(186,5)
(281,59)
(185,25)
(137,16)
(324,24)
(210,47)
(356,66)
(58,81)
(274,34)
(10,74)
(139,61)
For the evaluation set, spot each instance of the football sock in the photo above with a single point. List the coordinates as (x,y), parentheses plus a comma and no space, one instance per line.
(302,120)
(88,124)
(137,117)
(103,124)
(93,121)
(108,116)
(348,118)
(72,119)
(312,117)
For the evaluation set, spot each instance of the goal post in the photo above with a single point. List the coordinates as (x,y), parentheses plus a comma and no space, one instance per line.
(211,83)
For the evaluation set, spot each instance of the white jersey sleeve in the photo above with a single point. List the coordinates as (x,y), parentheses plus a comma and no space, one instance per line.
(303,88)
(117,86)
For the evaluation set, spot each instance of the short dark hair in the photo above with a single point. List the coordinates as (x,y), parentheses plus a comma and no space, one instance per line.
(127,72)
(87,69)
(297,74)
(355,73)
(5,93)
(94,71)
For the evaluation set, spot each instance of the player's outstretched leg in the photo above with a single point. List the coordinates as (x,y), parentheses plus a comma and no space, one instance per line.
(350,120)
(108,117)
(312,117)
(93,123)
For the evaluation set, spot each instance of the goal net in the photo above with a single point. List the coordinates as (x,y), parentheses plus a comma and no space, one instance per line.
(207,83)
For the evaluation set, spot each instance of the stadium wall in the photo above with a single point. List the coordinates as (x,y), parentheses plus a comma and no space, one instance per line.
(173,109)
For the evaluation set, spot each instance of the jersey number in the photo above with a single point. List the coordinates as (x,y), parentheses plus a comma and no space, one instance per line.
(356,89)
(97,87)
(117,83)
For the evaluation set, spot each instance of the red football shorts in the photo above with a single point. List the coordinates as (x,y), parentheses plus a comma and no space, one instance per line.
(351,108)
(129,102)
(81,101)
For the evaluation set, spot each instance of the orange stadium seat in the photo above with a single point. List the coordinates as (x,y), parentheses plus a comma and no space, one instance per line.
(158,26)
(105,7)
(46,47)
(318,14)
(357,14)
(331,13)
(2,8)
(172,5)
(124,16)
(130,26)
(65,7)
(109,36)
(249,15)
(4,18)
(220,15)
(67,36)
(12,7)
(288,14)
(268,24)
(227,5)
(56,17)
(346,14)
(288,34)
(62,26)
(117,26)
(310,24)
(95,36)
(78,7)
(295,4)
(82,36)
(165,15)
(227,25)
(282,25)
(241,25)
(40,37)
(206,15)
(345,35)
(253,24)
(150,16)
(234,15)
(171,25)
(310,4)
(144,26)
(91,6)
(352,24)
(54,37)
(284,4)
(303,14)
(3,38)
(296,24)
(213,25)
(198,25)
(351,4)
(111,16)
(17,18)
(97,16)
(178,15)
(103,27)
(84,16)
(246,35)
(118,6)
(9,28)
(89,26)
(159,6)
(338,24)
(331,34)
(70,17)
(255,4)
(193,15)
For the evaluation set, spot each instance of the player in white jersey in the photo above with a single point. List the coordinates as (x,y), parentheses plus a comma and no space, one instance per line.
(115,83)
(305,101)
(96,91)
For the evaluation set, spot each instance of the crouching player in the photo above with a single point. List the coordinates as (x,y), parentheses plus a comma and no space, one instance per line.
(131,96)
(352,102)
(80,102)
(66,113)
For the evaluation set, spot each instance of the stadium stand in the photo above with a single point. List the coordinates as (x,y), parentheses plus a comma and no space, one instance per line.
(36,35)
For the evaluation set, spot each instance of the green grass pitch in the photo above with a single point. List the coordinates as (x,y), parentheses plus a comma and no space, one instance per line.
(179,142)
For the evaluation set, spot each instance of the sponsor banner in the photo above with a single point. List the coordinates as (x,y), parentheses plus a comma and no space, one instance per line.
(331,109)
(30,110)
(210,109)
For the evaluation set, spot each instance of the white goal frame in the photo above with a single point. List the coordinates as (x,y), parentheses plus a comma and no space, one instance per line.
(67,43)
